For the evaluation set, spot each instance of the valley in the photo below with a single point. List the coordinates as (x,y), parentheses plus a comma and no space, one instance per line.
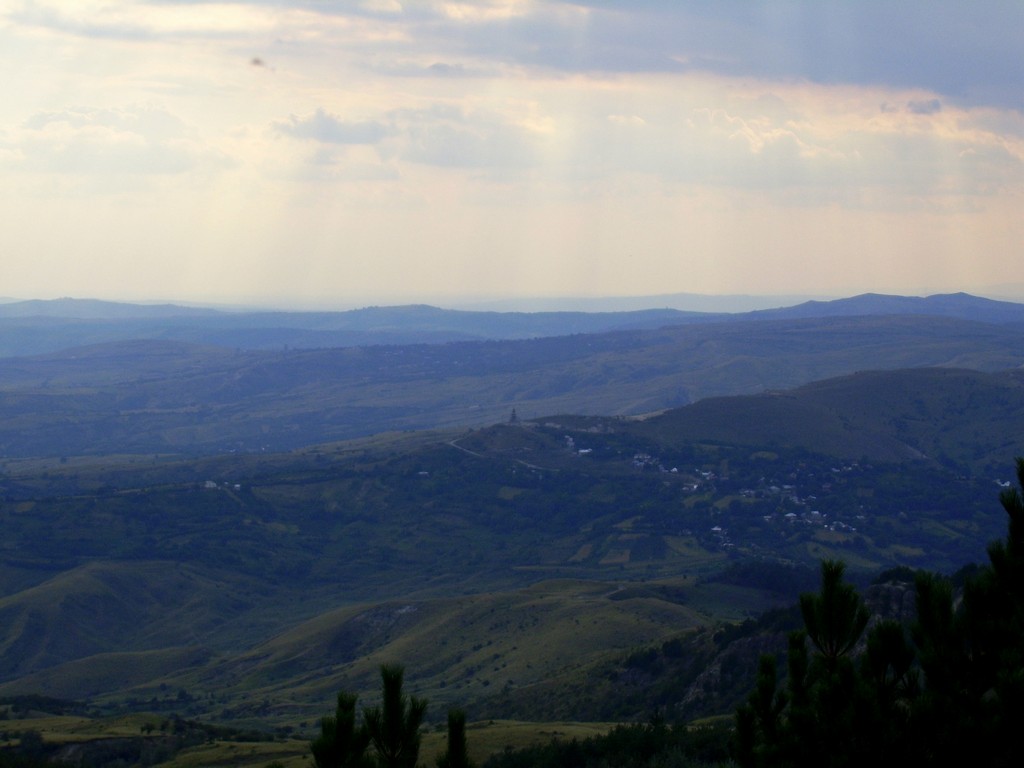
(232,536)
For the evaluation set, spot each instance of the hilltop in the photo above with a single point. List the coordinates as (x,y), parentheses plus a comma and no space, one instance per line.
(962,306)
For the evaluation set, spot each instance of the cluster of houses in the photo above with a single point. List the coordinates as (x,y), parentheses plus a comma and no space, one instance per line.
(212,485)
(646,461)
(570,443)
(787,506)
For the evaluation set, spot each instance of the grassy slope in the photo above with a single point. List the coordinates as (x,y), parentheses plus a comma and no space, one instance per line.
(484,738)
(963,416)
(458,650)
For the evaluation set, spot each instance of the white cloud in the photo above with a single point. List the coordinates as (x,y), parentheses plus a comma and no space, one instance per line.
(569,133)
(450,137)
(140,21)
(110,142)
(324,127)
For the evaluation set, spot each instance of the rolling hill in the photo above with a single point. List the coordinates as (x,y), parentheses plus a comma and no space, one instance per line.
(149,397)
(955,417)
(259,583)
(202,522)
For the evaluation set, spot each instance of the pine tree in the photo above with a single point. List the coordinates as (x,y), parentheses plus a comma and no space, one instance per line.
(341,744)
(455,756)
(954,695)
(394,727)
(971,652)
(836,617)
(822,705)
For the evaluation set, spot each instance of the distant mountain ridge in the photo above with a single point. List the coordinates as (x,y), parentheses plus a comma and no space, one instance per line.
(93,309)
(37,327)
(962,306)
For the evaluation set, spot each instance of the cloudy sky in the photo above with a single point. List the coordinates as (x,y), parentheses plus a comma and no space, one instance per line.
(324,153)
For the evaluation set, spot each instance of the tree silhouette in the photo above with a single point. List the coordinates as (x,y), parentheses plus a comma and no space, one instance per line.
(971,652)
(341,744)
(394,727)
(836,617)
(954,695)
(455,756)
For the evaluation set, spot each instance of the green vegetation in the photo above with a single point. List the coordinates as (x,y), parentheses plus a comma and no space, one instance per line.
(949,691)
(857,688)
(41,737)
(394,726)
(456,753)
(502,565)
(341,743)
(570,568)
(653,745)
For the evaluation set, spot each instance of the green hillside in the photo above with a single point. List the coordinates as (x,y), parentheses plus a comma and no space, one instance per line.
(956,417)
(514,568)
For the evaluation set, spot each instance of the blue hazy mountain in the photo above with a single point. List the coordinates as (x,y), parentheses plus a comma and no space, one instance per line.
(35,327)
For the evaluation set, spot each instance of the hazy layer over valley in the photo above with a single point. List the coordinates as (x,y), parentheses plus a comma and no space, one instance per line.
(259,526)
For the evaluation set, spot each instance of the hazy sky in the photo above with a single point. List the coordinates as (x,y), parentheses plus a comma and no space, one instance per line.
(341,153)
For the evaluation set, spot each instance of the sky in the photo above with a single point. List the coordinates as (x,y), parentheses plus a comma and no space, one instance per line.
(337,154)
